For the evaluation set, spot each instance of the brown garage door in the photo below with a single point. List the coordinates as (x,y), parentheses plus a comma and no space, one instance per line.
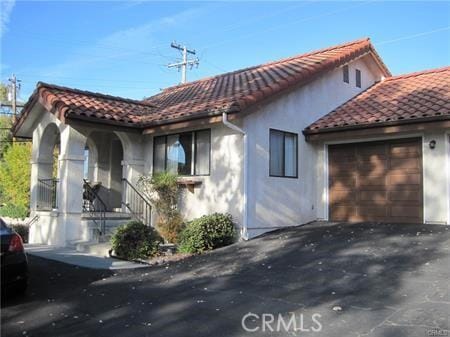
(376,181)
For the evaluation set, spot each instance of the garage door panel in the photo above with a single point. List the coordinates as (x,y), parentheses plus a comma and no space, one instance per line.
(404,151)
(405,195)
(342,183)
(342,169)
(367,169)
(404,164)
(343,153)
(343,197)
(405,179)
(372,181)
(342,213)
(372,211)
(406,211)
(383,184)
(377,197)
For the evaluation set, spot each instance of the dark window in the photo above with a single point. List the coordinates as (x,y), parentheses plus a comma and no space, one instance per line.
(175,153)
(283,154)
(202,151)
(358,78)
(345,74)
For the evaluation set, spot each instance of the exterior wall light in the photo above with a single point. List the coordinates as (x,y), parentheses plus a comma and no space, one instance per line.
(432,144)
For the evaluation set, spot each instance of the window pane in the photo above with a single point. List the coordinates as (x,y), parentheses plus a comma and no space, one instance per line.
(173,148)
(185,154)
(358,78)
(290,155)
(276,153)
(159,154)
(345,73)
(203,150)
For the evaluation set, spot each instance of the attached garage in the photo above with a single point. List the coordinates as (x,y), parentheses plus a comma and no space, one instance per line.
(376,181)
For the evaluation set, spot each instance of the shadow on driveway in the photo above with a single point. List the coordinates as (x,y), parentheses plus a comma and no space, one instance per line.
(389,280)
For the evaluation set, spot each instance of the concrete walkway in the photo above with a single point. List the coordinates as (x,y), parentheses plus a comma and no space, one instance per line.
(71,256)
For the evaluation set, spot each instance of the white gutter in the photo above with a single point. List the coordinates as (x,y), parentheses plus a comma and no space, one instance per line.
(244,233)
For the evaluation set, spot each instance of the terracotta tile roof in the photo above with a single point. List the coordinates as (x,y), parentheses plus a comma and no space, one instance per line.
(235,91)
(415,97)
(229,92)
(67,102)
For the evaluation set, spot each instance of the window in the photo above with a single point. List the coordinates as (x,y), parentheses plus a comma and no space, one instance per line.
(358,78)
(283,154)
(185,153)
(345,74)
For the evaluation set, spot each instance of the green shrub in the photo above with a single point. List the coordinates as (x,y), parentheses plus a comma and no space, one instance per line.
(207,233)
(135,240)
(14,211)
(22,230)
(15,171)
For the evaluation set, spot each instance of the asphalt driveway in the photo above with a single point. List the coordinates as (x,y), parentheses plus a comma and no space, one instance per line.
(347,280)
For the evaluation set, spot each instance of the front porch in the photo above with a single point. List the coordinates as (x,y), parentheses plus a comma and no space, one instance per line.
(83,183)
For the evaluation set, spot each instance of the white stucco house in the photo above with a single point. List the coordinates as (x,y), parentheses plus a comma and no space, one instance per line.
(325,135)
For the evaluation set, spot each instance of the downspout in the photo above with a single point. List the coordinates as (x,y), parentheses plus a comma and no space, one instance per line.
(244,233)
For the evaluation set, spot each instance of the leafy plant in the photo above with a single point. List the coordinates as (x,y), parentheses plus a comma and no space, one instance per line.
(15,173)
(14,211)
(163,192)
(207,232)
(5,134)
(134,240)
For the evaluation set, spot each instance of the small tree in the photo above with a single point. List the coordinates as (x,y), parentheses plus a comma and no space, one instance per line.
(15,179)
(163,192)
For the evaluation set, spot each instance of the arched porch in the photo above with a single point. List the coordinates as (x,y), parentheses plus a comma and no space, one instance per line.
(82,182)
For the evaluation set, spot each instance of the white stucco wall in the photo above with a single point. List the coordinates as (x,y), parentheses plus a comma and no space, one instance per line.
(277,202)
(222,190)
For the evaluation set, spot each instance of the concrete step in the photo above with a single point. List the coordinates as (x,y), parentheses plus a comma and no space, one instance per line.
(94,248)
(108,216)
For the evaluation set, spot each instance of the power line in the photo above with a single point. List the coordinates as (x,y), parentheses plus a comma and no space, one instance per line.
(288,23)
(408,37)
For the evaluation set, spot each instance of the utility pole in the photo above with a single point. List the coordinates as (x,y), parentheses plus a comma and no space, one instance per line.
(185,62)
(14,86)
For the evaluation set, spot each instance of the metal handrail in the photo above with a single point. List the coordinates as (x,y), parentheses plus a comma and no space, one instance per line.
(32,220)
(46,194)
(137,203)
(93,209)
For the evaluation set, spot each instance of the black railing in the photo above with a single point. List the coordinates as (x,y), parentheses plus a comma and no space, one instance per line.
(94,205)
(46,194)
(137,203)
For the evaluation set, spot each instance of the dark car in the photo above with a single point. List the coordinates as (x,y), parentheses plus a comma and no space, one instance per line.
(13,259)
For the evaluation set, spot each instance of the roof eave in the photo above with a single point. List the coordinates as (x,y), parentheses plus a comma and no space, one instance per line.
(348,128)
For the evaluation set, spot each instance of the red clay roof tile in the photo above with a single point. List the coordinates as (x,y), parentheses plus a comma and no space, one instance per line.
(413,96)
(229,92)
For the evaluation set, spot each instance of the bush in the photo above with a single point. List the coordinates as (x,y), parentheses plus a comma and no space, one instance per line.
(15,171)
(163,192)
(22,230)
(170,228)
(135,240)
(14,211)
(207,233)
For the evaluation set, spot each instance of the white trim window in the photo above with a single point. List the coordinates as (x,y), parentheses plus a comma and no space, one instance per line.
(283,154)
(186,154)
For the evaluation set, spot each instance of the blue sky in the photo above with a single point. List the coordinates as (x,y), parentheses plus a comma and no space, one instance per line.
(122,48)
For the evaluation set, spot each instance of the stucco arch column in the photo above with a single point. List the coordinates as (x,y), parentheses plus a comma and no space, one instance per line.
(132,163)
(71,173)
(133,156)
